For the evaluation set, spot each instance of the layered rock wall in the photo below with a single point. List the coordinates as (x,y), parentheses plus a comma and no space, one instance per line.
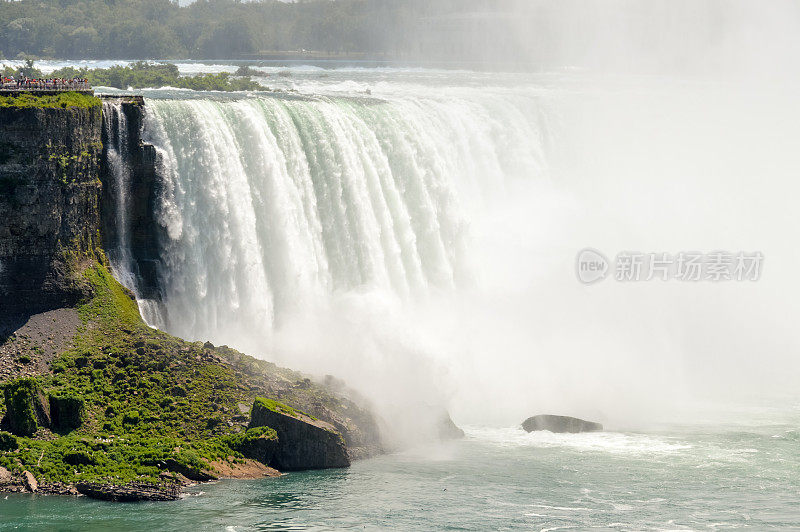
(49,205)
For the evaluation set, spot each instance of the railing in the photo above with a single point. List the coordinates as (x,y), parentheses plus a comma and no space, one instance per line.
(44,86)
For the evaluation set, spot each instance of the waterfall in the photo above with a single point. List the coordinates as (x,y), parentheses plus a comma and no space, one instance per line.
(272,206)
(118,161)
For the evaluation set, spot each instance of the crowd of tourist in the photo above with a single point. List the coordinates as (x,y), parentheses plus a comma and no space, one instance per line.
(50,84)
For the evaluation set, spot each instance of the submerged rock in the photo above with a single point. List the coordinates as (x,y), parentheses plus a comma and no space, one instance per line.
(304,442)
(560,424)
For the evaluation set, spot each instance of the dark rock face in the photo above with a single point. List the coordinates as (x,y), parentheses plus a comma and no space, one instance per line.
(130,492)
(259,443)
(49,212)
(560,424)
(303,442)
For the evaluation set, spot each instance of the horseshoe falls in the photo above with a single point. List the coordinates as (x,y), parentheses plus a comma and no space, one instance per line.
(419,241)
(285,213)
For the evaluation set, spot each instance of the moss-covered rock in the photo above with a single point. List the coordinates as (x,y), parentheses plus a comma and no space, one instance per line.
(155,404)
(259,443)
(190,465)
(304,442)
(26,408)
(67,411)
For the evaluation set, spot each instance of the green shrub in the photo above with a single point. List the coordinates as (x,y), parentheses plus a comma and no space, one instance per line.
(79,458)
(131,417)
(24,406)
(67,411)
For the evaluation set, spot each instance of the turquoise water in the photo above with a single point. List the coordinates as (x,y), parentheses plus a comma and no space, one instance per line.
(733,476)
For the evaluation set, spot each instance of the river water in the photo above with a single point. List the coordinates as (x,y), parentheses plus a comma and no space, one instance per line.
(682,478)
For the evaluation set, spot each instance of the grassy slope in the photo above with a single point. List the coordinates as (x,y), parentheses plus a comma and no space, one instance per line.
(149,397)
(58,101)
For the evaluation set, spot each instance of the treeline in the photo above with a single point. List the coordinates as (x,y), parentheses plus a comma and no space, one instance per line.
(142,74)
(141,29)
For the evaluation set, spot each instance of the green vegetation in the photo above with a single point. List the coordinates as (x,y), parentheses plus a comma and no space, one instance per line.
(127,403)
(58,101)
(115,400)
(28,70)
(275,406)
(145,75)
(23,399)
(8,442)
(215,29)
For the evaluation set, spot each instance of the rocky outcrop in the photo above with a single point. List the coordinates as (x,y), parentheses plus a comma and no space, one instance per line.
(447,430)
(49,212)
(304,442)
(26,407)
(30,481)
(130,492)
(560,424)
(258,443)
(190,471)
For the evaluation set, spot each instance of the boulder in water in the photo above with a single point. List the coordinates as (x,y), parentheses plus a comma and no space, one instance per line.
(560,424)
(446,429)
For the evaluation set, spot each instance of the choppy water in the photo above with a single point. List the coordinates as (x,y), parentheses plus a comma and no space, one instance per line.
(680,478)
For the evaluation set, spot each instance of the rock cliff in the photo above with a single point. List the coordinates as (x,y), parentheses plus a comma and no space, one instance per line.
(49,190)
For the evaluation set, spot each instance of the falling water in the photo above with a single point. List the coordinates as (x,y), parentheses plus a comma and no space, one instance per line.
(273,205)
(118,162)
(420,242)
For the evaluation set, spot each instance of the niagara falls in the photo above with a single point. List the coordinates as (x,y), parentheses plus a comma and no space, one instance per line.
(423,265)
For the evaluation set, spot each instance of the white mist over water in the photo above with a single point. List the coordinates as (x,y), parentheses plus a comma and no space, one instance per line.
(420,244)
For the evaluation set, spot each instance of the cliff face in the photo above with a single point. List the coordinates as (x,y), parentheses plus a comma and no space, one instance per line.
(49,205)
